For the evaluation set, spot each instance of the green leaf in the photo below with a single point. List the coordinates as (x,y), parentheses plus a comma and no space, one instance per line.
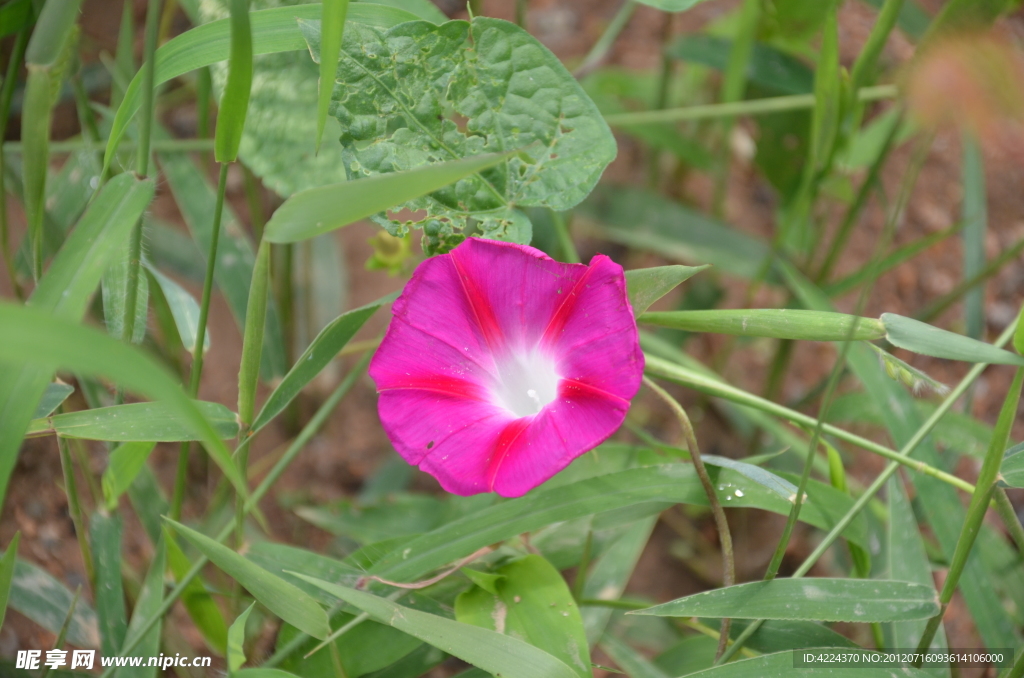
(629,660)
(30,336)
(671,5)
(234,102)
(196,199)
(611,572)
(491,651)
(253,334)
(1012,470)
(780,665)
(777,323)
(56,393)
(673,483)
(649,221)
(46,601)
(333,18)
(236,641)
(647,285)
(319,210)
(283,599)
(7,573)
(512,93)
(124,465)
(105,539)
(273,30)
(768,67)
(819,598)
(183,307)
(404,514)
(115,292)
(65,292)
(914,335)
(908,561)
(764,477)
(423,9)
(263,673)
(149,600)
(137,422)
(199,604)
(313,360)
(532,603)
(485,580)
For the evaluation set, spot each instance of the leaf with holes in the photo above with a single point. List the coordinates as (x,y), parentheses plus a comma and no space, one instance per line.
(419,94)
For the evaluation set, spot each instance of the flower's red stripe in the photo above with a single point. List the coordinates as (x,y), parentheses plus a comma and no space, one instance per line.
(506,439)
(571,388)
(436,383)
(481,307)
(561,316)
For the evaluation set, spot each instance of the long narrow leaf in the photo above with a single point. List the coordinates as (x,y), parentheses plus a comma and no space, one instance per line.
(234,102)
(139,422)
(319,354)
(332,26)
(770,322)
(319,210)
(914,335)
(493,652)
(7,562)
(33,337)
(283,599)
(851,600)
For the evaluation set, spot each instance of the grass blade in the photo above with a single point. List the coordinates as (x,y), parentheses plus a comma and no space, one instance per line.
(46,601)
(236,641)
(137,422)
(914,335)
(494,652)
(975,218)
(64,292)
(771,322)
(56,393)
(319,210)
(332,26)
(149,600)
(7,573)
(124,465)
(36,338)
(199,604)
(184,309)
(252,337)
(817,598)
(234,102)
(105,536)
(647,285)
(283,599)
(319,354)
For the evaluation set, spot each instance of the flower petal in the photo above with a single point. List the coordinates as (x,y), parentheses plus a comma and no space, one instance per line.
(464,343)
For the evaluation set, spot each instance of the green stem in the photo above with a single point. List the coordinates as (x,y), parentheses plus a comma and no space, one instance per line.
(148,86)
(714,387)
(987,478)
(879,482)
(721,523)
(75,509)
(604,44)
(521,13)
(1009,517)
(181,476)
(6,95)
(661,97)
(308,431)
(853,214)
(906,188)
(748,107)
(568,247)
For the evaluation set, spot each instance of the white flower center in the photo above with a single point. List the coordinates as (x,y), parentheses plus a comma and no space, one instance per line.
(526,383)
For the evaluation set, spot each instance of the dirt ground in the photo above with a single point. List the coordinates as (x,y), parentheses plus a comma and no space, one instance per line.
(352,444)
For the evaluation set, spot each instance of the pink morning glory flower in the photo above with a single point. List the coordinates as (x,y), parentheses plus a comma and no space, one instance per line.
(502,365)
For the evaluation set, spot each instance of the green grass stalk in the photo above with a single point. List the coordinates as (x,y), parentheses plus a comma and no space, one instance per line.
(879,482)
(296,446)
(721,522)
(986,485)
(196,374)
(604,44)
